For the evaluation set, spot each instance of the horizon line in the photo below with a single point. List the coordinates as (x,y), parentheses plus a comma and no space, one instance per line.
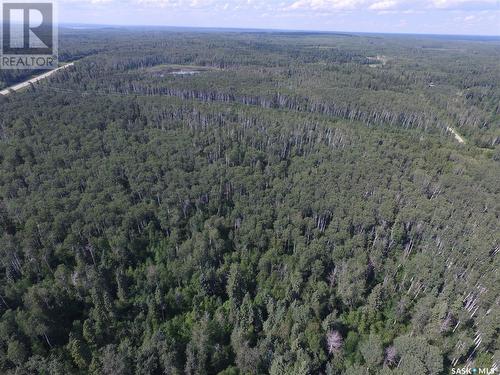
(271,29)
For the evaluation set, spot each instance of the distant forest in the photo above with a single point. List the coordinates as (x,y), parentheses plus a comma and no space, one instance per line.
(235,203)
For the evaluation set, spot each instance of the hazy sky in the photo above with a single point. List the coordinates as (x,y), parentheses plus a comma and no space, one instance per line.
(400,16)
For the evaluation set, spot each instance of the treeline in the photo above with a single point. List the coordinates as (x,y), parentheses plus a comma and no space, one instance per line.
(423,84)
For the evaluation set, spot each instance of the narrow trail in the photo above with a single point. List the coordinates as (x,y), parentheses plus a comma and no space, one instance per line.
(458,137)
(25,84)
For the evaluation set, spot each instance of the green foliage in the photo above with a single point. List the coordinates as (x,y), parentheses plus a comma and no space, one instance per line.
(291,209)
(372,351)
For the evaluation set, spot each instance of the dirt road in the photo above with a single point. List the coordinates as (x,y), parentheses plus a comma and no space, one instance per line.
(25,84)
(458,137)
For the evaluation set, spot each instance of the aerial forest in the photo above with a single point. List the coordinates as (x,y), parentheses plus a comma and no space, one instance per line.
(239,203)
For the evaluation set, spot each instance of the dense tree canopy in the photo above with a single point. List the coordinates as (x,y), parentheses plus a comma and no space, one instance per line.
(284,204)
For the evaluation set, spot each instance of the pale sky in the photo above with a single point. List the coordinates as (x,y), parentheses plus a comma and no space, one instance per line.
(472,17)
